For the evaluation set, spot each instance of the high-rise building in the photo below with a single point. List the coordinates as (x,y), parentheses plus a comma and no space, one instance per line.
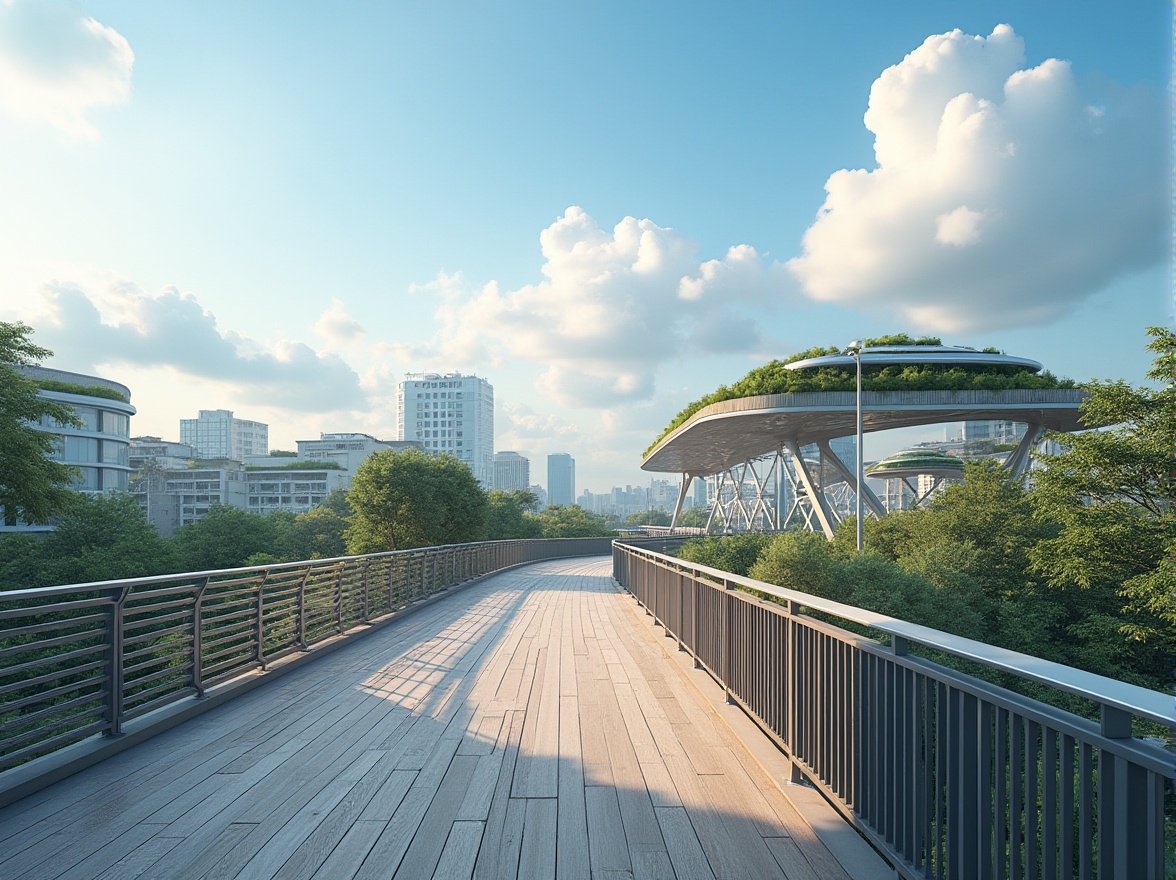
(216,433)
(512,472)
(97,447)
(450,414)
(561,479)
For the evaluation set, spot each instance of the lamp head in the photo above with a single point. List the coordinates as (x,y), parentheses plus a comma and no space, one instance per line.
(854,348)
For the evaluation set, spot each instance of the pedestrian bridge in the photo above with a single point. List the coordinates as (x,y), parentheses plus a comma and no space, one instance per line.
(413,717)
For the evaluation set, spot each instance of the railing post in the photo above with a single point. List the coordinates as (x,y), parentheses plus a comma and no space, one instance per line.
(301,609)
(791,652)
(1114,723)
(727,639)
(198,639)
(339,598)
(115,665)
(260,653)
(367,564)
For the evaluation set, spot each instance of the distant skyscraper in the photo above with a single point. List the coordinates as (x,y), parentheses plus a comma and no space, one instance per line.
(561,479)
(215,433)
(450,414)
(512,472)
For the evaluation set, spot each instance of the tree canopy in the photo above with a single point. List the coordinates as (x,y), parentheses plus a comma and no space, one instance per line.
(33,486)
(775,378)
(408,499)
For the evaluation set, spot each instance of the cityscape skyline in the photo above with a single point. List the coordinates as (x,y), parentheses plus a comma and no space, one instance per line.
(335,198)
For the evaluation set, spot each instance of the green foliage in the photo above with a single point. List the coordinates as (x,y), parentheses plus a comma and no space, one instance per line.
(336,500)
(694,518)
(33,487)
(408,499)
(775,378)
(648,518)
(87,390)
(808,563)
(282,453)
(226,536)
(98,538)
(573,522)
(733,553)
(508,516)
(316,534)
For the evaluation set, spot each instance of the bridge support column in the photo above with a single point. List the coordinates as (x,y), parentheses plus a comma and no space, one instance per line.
(816,493)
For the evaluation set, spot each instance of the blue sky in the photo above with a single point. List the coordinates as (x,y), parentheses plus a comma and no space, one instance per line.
(607,211)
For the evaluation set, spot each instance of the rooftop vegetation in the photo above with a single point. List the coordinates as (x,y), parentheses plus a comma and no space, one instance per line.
(774,378)
(87,390)
(297,466)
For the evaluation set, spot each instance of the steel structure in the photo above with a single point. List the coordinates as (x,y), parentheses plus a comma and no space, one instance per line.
(751,437)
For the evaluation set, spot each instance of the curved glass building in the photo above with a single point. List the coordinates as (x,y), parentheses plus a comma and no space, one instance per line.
(98,449)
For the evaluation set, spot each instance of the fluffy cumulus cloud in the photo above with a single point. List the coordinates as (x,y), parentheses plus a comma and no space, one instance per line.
(337,327)
(122,324)
(614,306)
(57,64)
(1002,194)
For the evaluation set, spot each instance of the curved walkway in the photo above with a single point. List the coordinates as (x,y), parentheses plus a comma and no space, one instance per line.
(531,725)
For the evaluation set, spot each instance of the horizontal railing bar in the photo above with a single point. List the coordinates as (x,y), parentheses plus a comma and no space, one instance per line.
(150,661)
(1139,701)
(138,710)
(43,644)
(46,661)
(52,744)
(55,608)
(52,693)
(49,625)
(49,711)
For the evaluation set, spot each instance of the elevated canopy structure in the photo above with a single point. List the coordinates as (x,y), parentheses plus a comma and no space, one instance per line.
(760,438)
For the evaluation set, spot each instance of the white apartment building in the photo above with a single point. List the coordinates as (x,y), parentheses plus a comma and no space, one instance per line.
(295,490)
(216,433)
(512,472)
(347,450)
(450,414)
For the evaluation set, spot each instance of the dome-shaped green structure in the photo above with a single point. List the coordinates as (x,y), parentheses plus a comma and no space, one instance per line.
(915,463)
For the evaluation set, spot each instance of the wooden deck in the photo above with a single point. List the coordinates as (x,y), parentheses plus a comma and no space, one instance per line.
(531,725)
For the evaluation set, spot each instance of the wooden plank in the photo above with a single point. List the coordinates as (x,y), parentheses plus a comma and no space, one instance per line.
(682,843)
(346,858)
(572,818)
(140,861)
(536,771)
(537,855)
(501,839)
(428,839)
(388,851)
(606,833)
(328,835)
(480,794)
(793,862)
(461,851)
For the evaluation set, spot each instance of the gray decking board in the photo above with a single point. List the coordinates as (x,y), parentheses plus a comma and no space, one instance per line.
(530,725)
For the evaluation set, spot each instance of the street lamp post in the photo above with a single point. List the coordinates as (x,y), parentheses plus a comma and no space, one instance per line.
(854,350)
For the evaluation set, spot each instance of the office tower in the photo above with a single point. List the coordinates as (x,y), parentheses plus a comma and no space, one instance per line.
(561,479)
(216,433)
(512,472)
(450,414)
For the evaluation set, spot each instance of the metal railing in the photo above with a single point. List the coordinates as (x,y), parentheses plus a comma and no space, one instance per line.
(84,659)
(951,776)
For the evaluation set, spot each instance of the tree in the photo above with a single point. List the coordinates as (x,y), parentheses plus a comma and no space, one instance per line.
(316,534)
(33,487)
(694,518)
(102,538)
(733,553)
(508,515)
(408,499)
(226,537)
(1111,490)
(573,522)
(648,518)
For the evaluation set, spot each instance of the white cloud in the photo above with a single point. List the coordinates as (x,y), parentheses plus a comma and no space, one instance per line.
(337,327)
(122,324)
(57,64)
(613,308)
(1002,195)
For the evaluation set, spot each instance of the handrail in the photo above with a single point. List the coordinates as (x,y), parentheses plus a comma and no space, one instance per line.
(149,642)
(1126,697)
(948,775)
